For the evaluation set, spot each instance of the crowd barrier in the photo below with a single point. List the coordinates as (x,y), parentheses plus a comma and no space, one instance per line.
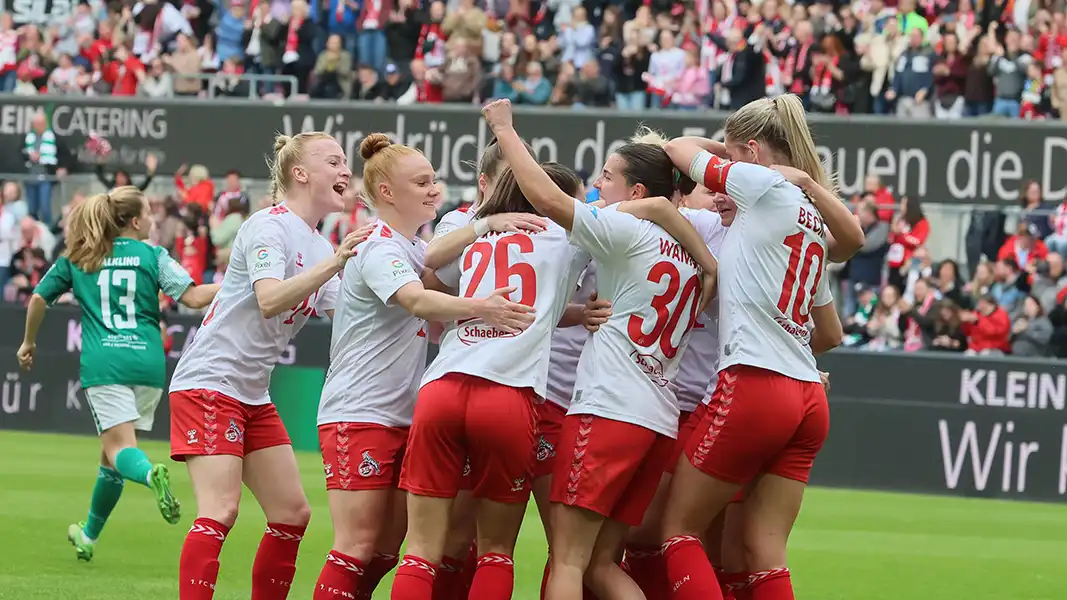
(924,423)
(965,161)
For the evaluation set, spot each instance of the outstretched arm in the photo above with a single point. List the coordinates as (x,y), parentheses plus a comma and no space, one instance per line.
(535,184)
(844,226)
(447,248)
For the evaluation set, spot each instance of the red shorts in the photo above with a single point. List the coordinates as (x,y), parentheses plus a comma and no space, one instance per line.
(687,422)
(461,416)
(549,427)
(609,467)
(760,421)
(203,422)
(362,456)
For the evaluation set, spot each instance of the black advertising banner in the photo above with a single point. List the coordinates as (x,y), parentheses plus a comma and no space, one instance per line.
(925,423)
(945,424)
(939,161)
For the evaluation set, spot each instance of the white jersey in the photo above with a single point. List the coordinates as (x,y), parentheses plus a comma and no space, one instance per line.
(770,269)
(654,287)
(235,348)
(453,220)
(699,363)
(545,269)
(378,349)
(567,344)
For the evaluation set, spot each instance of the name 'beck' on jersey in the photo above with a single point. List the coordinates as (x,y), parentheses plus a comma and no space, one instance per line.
(770,269)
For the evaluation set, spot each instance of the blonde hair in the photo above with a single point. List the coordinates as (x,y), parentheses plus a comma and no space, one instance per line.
(198,173)
(781,124)
(288,152)
(381,156)
(647,135)
(96,222)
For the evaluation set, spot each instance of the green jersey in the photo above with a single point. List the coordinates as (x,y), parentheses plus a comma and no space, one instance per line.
(121,340)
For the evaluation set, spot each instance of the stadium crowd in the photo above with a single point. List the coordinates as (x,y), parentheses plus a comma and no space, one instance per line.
(948,58)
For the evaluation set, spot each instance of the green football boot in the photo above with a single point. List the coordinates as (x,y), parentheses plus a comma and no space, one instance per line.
(81,542)
(159,483)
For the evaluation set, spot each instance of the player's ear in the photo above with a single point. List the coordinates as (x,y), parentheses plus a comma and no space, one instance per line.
(638,191)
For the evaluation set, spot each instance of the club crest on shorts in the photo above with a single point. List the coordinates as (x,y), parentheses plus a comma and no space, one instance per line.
(467,467)
(369,466)
(545,450)
(234,433)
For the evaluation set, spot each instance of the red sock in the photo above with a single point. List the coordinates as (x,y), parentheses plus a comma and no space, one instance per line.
(378,567)
(198,566)
(734,586)
(414,579)
(649,572)
(689,573)
(494,578)
(771,585)
(469,569)
(275,564)
(449,582)
(340,577)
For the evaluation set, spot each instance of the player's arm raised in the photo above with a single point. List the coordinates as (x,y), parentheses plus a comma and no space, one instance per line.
(496,310)
(535,184)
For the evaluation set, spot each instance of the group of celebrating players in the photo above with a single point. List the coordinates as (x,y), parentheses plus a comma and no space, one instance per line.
(644,366)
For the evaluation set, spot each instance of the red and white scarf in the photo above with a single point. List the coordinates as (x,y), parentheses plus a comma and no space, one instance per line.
(9,46)
(822,80)
(797,57)
(913,337)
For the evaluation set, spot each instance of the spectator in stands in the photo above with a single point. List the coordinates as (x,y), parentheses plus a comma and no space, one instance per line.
(372,43)
(988,328)
(42,149)
(909,231)
(918,320)
(865,267)
(1023,248)
(590,88)
(855,325)
(9,44)
(333,71)
(121,177)
(578,39)
(184,62)
(1035,211)
(1031,332)
(462,71)
(168,224)
(534,89)
(464,22)
(884,326)
(262,44)
(743,72)
(633,62)
(880,60)
(950,77)
(64,78)
(369,86)
(1049,279)
(947,332)
(394,84)
(10,216)
(232,190)
(978,89)
(1058,318)
(298,54)
(342,22)
(229,83)
(691,89)
(28,266)
(1009,285)
(665,66)
(913,83)
(194,243)
(224,231)
(949,283)
(1057,239)
(1008,68)
(921,266)
(229,33)
(201,192)
(157,82)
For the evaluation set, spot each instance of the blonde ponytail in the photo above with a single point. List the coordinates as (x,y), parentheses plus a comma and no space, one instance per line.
(96,222)
(801,146)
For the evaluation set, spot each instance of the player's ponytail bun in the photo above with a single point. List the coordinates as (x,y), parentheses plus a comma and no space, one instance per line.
(381,156)
(280,141)
(373,144)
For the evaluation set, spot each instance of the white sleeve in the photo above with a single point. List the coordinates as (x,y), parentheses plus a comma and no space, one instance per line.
(451,222)
(823,295)
(266,252)
(450,273)
(745,183)
(328,295)
(605,233)
(386,269)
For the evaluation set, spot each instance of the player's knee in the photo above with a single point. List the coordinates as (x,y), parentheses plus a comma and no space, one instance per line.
(761,551)
(222,509)
(599,573)
(298,513)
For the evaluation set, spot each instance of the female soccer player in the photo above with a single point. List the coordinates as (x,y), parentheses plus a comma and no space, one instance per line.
(223,425)
(618,433)
(377,357)
(478,398)
(116,278)
(771,416)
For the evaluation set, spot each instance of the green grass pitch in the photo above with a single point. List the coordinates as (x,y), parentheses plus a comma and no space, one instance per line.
(848,545)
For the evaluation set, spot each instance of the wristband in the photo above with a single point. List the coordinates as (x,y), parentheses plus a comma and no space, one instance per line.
(481,227)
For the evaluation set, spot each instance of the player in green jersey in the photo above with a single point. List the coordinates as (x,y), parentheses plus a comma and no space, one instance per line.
(116,278)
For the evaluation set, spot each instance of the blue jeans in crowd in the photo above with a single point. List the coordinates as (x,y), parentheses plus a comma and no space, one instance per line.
(976,109)
(39,200)
(1003,107)
(8,81)
(630,101)
(372,49)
